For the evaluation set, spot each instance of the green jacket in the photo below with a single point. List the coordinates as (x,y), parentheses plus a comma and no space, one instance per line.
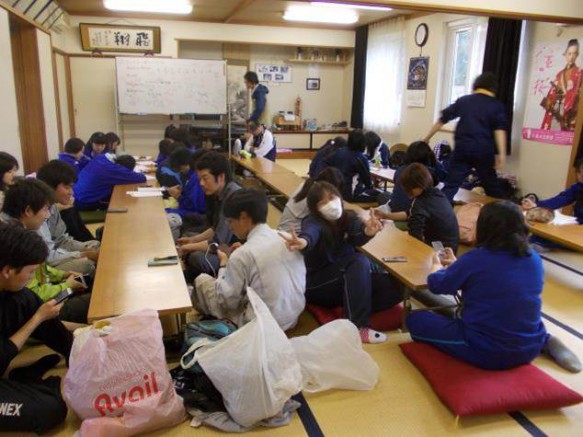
(47,281)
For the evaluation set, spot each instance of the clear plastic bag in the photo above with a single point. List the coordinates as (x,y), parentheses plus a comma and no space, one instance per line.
(254,368)
(332,357)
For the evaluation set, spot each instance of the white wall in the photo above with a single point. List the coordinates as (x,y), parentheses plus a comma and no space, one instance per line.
(63,96)
(45,54)
(188,30)
(93,82)
(562,8)
(9,131)
(416,122)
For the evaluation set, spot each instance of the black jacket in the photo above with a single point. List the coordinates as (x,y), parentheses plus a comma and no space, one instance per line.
(432,219)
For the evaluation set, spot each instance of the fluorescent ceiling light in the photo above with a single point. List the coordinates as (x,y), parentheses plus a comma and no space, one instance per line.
(158,6)
(352,6)
(314,14)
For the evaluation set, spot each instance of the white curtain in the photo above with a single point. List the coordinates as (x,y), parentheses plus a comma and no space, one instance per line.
(385,75)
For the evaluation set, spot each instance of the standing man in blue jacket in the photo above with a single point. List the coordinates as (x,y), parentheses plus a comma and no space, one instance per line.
(480,136)
(259,96)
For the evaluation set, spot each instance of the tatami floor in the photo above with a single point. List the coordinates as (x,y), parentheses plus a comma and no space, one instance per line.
(403,404)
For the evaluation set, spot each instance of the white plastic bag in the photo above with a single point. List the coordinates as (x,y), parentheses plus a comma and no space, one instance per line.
(118,380)
(332,357)
(254,368)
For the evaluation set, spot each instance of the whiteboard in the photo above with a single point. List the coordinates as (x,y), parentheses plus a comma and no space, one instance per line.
(171,86)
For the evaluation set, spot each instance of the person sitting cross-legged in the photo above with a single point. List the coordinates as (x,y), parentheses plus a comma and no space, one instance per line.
(262,263)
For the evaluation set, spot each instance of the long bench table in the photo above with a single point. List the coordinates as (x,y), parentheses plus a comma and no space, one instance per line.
(385,175)
(259,165)
(570,236)
(123,280)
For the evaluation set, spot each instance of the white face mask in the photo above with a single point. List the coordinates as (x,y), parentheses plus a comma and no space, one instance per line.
(332,210)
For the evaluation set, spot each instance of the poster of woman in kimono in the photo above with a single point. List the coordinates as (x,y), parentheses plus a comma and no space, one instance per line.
(553,93)
(560,103)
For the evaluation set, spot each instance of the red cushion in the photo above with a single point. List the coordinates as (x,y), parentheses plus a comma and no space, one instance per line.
(385,320)
(467,390)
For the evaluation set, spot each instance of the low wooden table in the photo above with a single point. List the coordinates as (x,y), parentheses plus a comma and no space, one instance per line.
(259,165)
(412,274)
(123,281)
(283,183)
(385,175)
(570,236)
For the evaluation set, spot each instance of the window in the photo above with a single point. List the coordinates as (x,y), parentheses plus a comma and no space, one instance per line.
(385,63)
(466,41)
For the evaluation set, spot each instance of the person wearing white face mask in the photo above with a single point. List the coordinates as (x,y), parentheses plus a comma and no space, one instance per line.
(336,273)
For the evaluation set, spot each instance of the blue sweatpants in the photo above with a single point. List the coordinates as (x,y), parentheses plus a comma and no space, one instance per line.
(461,164)
(351,284)
(449,336)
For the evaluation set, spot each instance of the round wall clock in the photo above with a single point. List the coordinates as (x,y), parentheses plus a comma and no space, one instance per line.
(421,34)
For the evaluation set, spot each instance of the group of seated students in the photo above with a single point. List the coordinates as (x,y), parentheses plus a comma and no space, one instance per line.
(227,246)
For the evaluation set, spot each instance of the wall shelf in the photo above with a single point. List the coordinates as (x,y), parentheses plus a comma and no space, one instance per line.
(308,61)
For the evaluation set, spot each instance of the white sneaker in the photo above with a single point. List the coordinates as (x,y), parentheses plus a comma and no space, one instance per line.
(368,335)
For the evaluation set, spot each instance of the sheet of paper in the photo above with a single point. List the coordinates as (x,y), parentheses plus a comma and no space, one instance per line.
(150,177)
(562,219)
(144,193)
(151,189)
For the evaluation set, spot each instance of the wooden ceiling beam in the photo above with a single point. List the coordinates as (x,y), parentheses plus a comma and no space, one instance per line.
(240,6)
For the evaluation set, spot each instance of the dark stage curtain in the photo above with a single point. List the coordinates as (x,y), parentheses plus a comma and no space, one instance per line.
(501,58)
(357,115)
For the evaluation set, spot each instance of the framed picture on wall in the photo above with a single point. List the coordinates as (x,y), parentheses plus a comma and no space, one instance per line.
(120,38)
(313,84)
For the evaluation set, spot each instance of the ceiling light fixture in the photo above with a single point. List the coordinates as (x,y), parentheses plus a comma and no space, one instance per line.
(313,14)
(352,6)
(156,6)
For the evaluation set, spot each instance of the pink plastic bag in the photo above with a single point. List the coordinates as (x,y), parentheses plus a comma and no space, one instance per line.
(118,379)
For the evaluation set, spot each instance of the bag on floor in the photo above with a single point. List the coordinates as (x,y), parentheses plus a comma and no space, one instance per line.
(118,380)
(467,218)
(211,330)
(332,357)
(254,368)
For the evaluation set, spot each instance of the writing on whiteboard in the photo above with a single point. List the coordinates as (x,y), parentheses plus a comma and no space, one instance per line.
(171,86)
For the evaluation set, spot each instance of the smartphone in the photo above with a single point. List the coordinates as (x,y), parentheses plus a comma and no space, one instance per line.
(63,295)
(395,259)
(163,262)
(166,258)
(117,210)
(438,247)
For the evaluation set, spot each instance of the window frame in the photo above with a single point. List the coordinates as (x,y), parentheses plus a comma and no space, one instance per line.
(478,27)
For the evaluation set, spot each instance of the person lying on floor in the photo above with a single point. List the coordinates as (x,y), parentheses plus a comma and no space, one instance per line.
(28,205)
(501,282)
(29,402)
(263,263)
(336,273)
